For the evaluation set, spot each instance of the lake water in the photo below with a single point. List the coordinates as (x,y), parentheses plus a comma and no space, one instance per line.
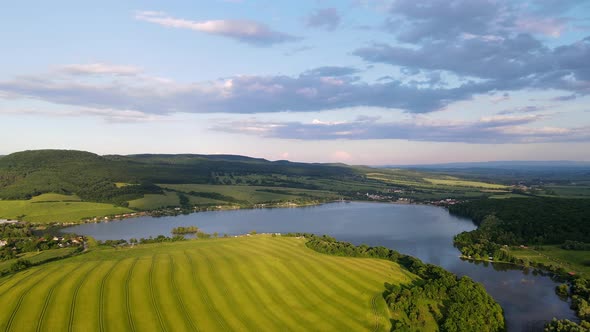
(423,231)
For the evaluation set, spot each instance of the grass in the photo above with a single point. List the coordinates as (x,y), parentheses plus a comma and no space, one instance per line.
(169,199)
(464,183)
(570,191)
(577,261)
(38,257)
(52,197)
(505,196)
(252,194)
(52,211)
(247,283)
(152,201)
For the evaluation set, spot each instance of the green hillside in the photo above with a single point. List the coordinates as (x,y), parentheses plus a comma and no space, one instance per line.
(248,283)
(78,185)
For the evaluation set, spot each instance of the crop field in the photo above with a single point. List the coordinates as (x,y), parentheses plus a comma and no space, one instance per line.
(168,199)
(246,283)
(50,211)
(153,201)
(464,183)
(251,194)
(572,260)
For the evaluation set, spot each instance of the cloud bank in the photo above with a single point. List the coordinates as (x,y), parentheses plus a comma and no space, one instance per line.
(491,130)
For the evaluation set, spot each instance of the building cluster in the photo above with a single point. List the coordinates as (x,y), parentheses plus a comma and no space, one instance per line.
(445,202)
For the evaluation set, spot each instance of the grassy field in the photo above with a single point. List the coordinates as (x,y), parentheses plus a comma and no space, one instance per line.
(169,199)
(572,191)
(38,257)
(52,197)
(463,183)
(505,196)
(152,201)
(572,260)
(252,194)
(49,211)
(247,283)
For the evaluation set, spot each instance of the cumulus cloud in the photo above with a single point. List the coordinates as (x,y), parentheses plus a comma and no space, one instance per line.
(491,130)
(326,18)
(246,31)
(491,41)
(314,90)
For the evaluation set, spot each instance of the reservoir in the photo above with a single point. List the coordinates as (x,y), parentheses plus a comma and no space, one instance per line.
(528,300)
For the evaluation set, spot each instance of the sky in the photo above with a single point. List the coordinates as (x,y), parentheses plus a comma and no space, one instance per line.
(370,82)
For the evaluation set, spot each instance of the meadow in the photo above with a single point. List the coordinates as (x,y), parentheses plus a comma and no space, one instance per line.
(245,283)
(577,261)
(55,207)
(252,194)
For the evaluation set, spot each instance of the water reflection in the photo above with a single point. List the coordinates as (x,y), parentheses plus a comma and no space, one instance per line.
(528,297)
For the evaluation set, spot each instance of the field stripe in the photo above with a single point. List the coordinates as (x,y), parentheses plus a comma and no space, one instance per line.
(127,297)
(75,298)
(295,274)
(41,318)
(375,312)
(237,267)
(204,293)
(153,296)
(336,269)
(26,275)
(101,296)
(343,281)
(179,298)
(345,290)
(20,301)
(227,296)
(357,260)
(237,260)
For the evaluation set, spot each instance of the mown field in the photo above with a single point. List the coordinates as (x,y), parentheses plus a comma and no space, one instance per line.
(55,207)
(259,283)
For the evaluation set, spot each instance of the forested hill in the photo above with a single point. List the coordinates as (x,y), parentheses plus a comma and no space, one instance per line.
(93,177)
(538,220)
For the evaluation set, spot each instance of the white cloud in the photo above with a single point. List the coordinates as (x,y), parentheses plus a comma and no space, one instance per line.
(487,130)
(100,69)
(246,31)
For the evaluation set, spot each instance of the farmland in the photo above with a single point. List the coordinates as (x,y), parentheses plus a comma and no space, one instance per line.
(577,261)
(246,283)
(52,207)
(251,194)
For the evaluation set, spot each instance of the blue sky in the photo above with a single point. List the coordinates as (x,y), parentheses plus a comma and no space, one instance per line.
(359,81)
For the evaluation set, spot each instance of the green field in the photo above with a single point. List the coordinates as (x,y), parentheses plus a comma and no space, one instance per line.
(153,201)
(38,257)
(572,191)
(577,261)
(52,197)
(252,194)
(38,211)
(259,283)
(463,183)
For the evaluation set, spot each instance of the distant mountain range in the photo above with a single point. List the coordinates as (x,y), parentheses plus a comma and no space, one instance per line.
(510,164)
